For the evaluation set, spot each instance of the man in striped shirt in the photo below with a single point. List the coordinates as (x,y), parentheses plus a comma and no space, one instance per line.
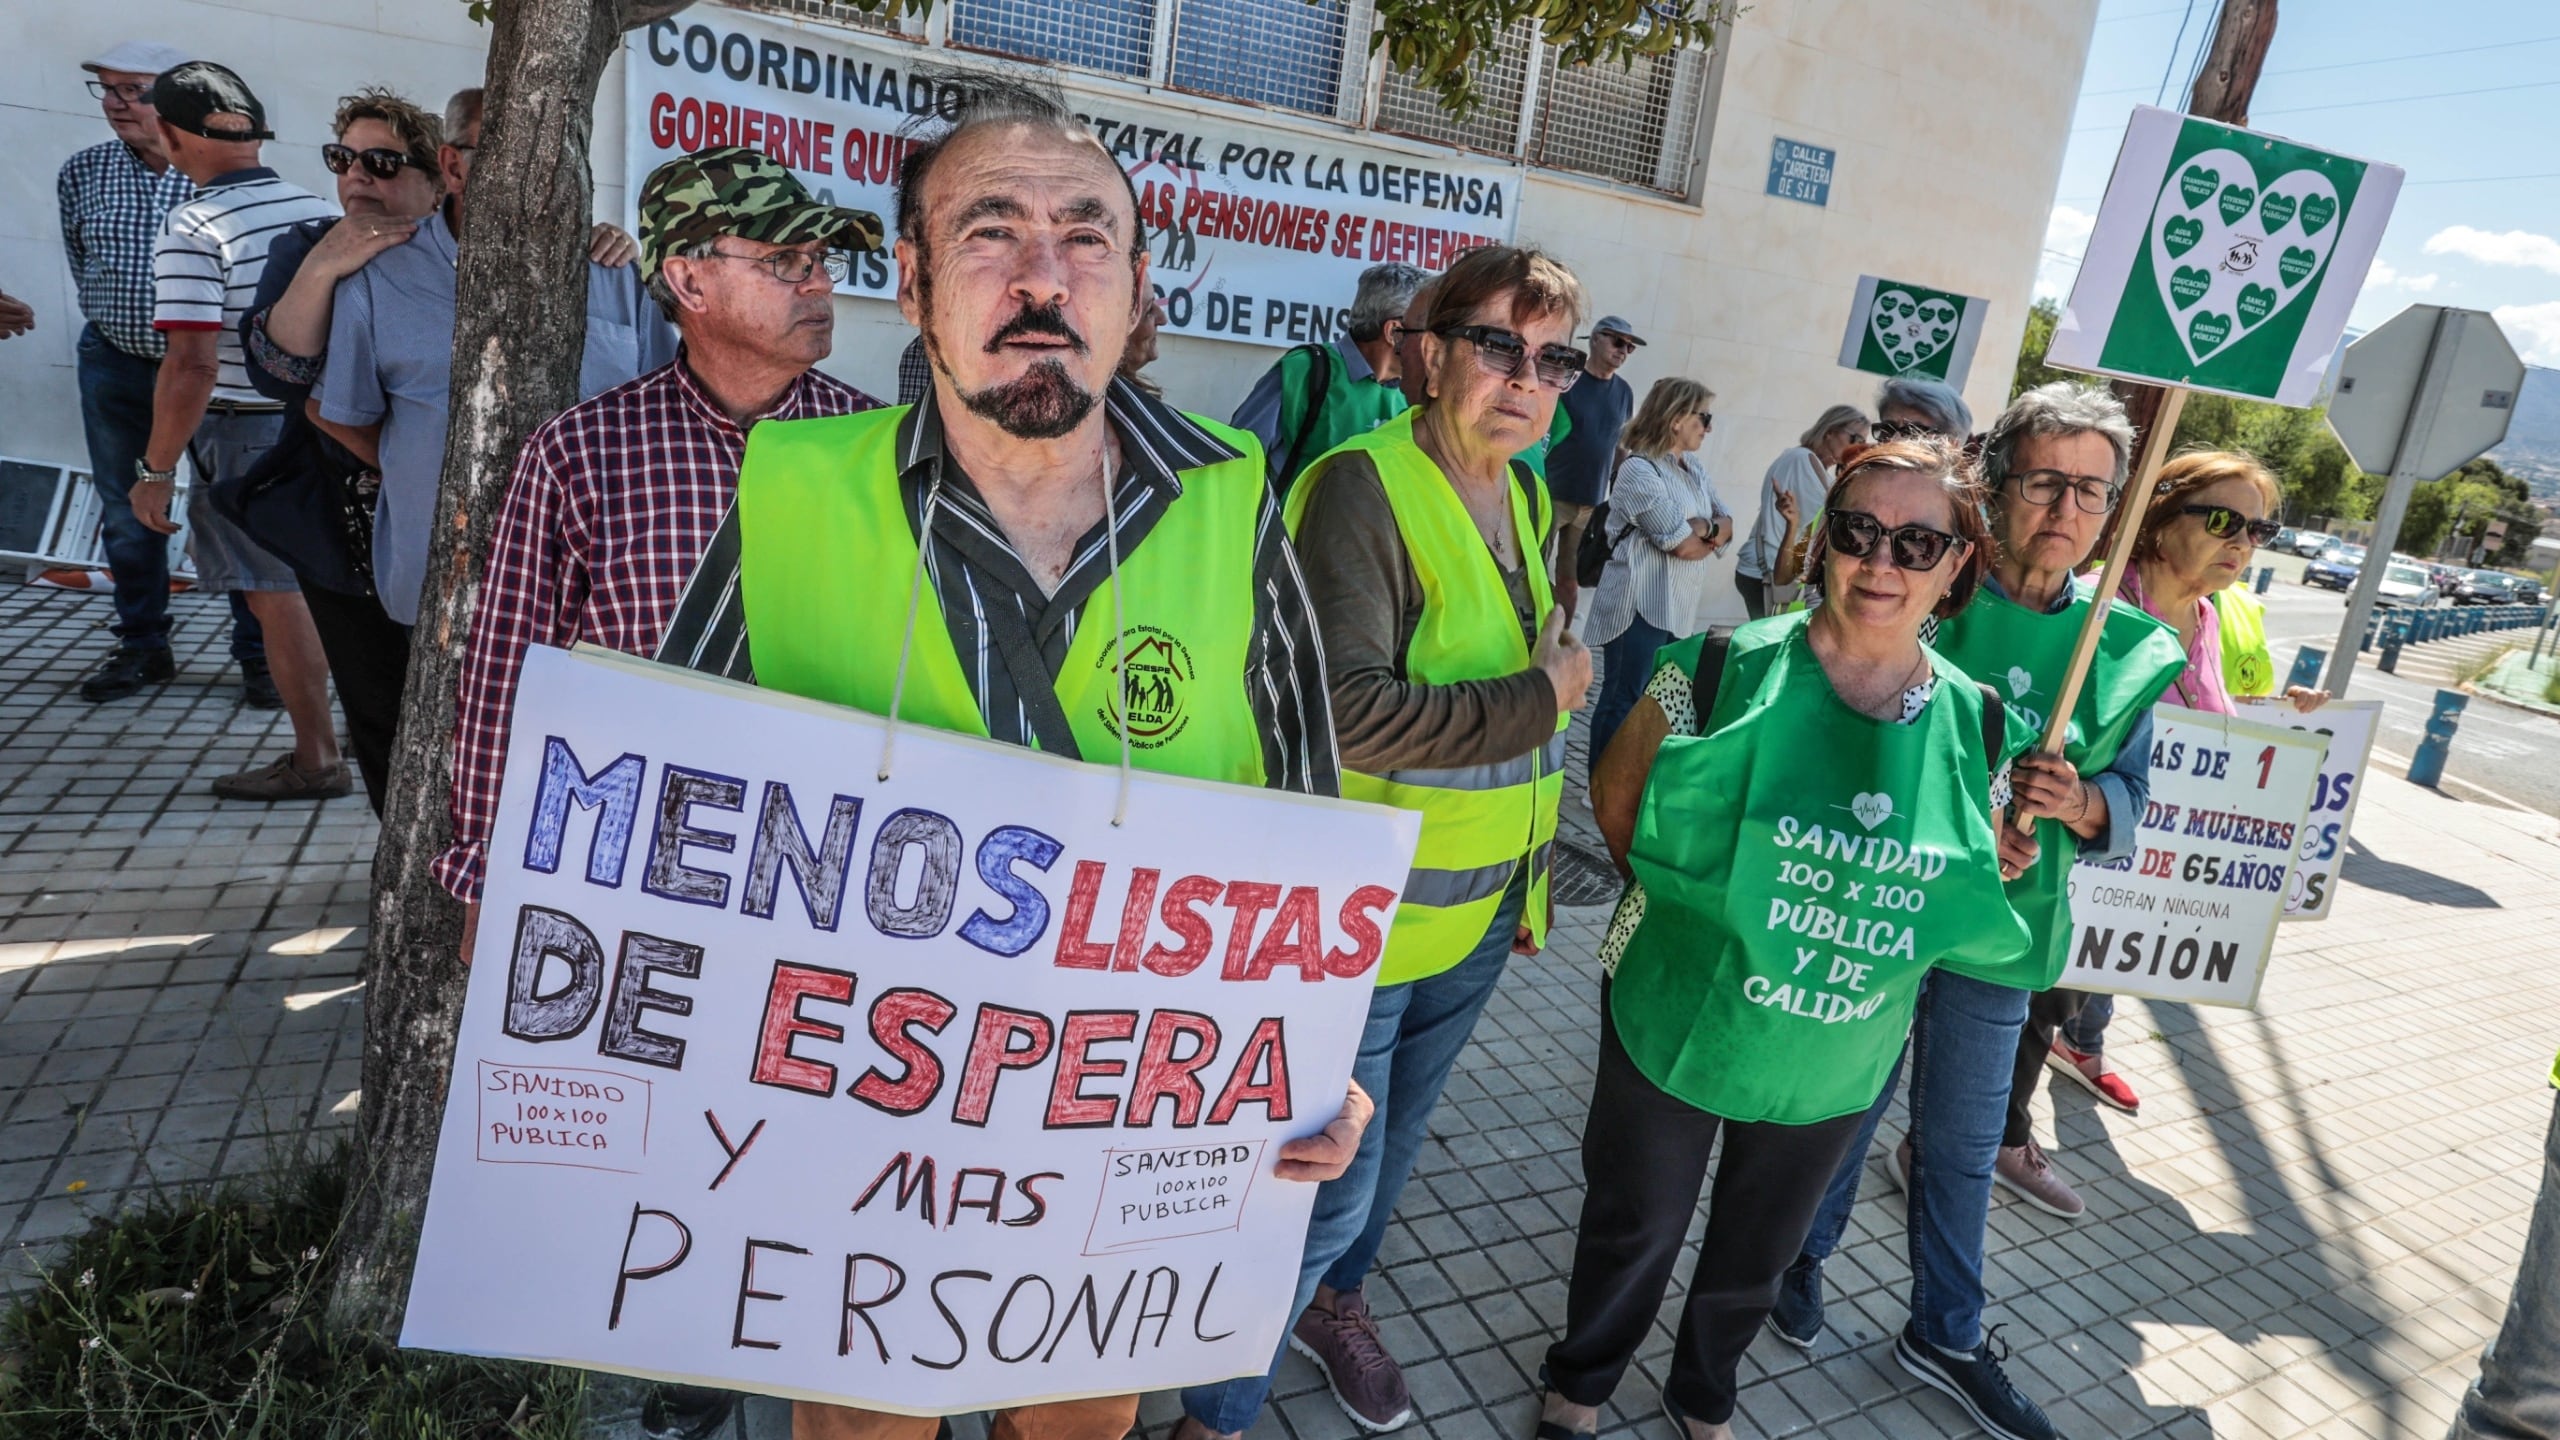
(205,270)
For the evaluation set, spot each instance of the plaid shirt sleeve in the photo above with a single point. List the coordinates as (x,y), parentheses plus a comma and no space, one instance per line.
(531,582)
(66,193)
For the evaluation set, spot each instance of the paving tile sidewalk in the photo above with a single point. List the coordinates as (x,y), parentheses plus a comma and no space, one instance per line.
(2310,1230)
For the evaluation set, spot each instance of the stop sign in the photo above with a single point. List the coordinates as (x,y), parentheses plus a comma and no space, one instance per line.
(2379,378)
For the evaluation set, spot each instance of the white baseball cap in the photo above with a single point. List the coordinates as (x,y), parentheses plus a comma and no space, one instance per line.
(139,57)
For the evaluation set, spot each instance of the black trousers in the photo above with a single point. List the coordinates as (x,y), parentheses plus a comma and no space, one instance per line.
(2047,1013)
(1644,1158)
(369,660)
(1755,595)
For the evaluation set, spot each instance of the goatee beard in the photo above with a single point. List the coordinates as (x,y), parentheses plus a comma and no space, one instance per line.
(1043,403)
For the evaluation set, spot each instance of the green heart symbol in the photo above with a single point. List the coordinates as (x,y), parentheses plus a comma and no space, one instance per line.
(2257,302)
(1904,309)
(2317,212)
(2207,331)
(1938,335)
(2188,284)
(2274,210)
(2236,200)
(2295,264)
(2181,234)
(2197,183)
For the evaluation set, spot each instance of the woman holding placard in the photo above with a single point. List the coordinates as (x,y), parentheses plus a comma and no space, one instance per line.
(1803,858)
(1664,520)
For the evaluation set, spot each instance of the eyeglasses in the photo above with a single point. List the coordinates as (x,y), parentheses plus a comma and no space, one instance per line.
(1855,533)
(2044,487)
(125,94)
(379,163)
(791,267)
(2222,522)
(1502,352)
(1899,430)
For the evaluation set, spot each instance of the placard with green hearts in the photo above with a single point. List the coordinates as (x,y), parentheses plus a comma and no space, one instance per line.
(2223,260)
(1897,327)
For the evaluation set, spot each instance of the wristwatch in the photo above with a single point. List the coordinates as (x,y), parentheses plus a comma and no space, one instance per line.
(143,472)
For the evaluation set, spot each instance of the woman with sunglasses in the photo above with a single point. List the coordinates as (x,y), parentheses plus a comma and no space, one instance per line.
(1452,681)
(1908,407)
(1664,521)
(1805,852)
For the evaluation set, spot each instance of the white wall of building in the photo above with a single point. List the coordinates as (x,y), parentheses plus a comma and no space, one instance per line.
(1949,121)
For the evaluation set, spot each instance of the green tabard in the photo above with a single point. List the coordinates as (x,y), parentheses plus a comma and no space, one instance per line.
(1804,866)
(2024,655)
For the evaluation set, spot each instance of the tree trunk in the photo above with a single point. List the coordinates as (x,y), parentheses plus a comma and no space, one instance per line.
(2222,90)
(519,331)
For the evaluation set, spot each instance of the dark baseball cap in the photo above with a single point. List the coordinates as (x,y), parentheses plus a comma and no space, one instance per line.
(192,96)
(731,190)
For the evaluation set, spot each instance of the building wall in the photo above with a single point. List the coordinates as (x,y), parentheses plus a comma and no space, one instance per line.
(1949,121)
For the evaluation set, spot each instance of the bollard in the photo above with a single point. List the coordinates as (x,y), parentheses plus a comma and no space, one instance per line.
(2306,667)
(2392,636)
(2427,766)
(2428,620)
(2266,577)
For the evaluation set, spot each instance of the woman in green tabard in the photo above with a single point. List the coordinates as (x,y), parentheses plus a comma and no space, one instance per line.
(1802,859)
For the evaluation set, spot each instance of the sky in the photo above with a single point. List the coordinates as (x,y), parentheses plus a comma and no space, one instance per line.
(2462,94)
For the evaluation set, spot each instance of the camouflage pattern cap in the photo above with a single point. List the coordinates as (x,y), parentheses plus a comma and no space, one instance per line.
(731,190)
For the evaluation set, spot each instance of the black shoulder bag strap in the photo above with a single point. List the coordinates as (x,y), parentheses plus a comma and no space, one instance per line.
(1702,685)
(1995,726)
(1320,380)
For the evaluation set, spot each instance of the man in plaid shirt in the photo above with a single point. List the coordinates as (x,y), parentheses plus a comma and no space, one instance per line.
(613,500)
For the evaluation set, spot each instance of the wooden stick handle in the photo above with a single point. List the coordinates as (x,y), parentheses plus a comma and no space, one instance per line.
(2137,501)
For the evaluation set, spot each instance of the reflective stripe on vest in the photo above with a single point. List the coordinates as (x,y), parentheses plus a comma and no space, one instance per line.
(1480,823)
(827,555)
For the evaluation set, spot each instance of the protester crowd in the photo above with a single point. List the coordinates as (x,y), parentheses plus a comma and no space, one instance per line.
(1399,551)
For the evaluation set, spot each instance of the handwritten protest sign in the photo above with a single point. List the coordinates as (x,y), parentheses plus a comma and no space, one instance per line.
(2192,915)
(2223,259)
(1898,327)
(2349,727)
(928,1094)
(1259,230)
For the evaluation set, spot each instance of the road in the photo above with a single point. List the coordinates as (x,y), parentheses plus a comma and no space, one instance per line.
(2502,754)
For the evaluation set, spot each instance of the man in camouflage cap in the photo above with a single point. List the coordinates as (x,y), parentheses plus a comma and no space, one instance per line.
(694,200)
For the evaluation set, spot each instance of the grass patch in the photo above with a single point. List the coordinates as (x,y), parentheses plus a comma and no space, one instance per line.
(2472,669)
(199,1315)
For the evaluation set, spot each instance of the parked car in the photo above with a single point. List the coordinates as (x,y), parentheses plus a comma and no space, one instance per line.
(2406,586)
(2485,587)
(2284,540)
(2445,577)
(2335,568)
(2304,542)
(2528,590)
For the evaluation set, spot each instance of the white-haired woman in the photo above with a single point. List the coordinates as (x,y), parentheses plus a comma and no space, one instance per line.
(1791,492)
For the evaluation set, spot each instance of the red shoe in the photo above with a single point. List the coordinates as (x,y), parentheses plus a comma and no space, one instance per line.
(2093,1076)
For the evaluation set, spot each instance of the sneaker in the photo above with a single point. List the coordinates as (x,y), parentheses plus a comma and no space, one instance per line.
(2026,1173)
(686,1412)
(2090,1070)
(285,780)
(1797,1316)
(1897,1166)
(257,687)
(1366,1381)
(125,671)
(1977,1383)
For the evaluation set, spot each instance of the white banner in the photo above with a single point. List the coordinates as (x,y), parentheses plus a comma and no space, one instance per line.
(2349,727)
(1259,230)
(928,1094)
(2192,915)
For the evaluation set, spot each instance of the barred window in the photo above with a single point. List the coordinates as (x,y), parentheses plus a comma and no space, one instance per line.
(1286,53)
(1408,107)
(1112,35)
(1634,124)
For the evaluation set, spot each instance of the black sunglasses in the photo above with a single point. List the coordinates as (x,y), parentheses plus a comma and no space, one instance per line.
(379,163)
(2222,522)
(1502,352)
(1855,533)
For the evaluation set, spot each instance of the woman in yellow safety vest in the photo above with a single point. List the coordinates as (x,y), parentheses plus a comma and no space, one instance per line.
(1451,679)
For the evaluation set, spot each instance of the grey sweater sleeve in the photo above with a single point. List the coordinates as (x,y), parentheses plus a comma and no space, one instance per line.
(1368,604)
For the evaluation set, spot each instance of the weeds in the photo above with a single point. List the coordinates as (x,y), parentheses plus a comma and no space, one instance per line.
(198,1315)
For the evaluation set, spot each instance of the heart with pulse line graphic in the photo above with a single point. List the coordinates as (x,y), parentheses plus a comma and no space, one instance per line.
(1912,328)
(2230,252)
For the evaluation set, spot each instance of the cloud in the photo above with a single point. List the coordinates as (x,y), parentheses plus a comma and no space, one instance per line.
(2533,329)
(2382,276)
(2066,235)
(2519,248)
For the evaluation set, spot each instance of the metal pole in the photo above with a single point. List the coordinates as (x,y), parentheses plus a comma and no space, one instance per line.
(2414,433)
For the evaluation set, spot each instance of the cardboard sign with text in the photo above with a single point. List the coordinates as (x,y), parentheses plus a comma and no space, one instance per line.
(2192,915)
(927,1094)
(1258,228)
(2223,259)
(2349,727)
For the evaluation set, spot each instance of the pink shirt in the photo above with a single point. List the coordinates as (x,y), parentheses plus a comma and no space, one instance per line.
(2200,687)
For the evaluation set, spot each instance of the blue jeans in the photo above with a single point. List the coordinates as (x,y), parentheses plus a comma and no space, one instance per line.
(2086,1032)
(1412,1041)
(115,413)
(1629,666)
(1964,1047)
(2517,1396)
